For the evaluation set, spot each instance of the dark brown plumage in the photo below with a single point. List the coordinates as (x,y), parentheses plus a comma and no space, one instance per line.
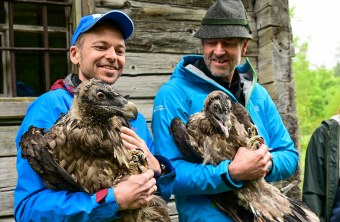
(83,150)
(214,135)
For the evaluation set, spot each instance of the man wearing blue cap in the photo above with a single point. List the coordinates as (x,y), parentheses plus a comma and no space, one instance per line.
(225,35)
(98,50)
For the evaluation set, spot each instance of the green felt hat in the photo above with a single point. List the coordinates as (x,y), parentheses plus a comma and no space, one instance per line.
(225,19)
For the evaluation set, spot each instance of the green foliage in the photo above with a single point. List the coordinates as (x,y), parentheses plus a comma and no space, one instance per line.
(337,70)
(317,93)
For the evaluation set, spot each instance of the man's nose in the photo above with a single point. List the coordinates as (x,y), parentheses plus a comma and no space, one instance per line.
(219,49)
(111,54)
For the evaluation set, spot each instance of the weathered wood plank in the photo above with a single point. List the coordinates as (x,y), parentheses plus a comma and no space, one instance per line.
(7,140)
(168,28)
(14,107)
(261,4)
(140,86)
(123,4)
(6,207)
(120,4)
(281,36)
(7,219)
(163,63)
(282,94)
(8,175)
(172,207)
(156,63)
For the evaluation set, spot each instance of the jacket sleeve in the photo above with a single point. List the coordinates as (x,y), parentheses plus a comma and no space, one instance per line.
(32,200)
(314,185)
(271,127)
(191,178)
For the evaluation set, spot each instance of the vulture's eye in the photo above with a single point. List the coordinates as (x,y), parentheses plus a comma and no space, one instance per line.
(100,96)
(216,108)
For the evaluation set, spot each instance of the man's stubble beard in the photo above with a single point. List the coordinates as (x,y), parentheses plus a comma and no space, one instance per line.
(232,64)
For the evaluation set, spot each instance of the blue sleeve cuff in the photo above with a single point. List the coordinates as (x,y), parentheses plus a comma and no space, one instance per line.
(165,183)
(167,163)
(229,182)
(108,209)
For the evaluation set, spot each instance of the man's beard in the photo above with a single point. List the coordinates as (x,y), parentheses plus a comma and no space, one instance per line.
(222,73)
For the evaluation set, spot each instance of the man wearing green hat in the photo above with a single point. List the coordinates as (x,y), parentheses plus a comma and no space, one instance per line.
(225,35)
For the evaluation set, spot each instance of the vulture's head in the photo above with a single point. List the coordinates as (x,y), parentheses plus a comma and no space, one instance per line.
(217,107)
(99,100)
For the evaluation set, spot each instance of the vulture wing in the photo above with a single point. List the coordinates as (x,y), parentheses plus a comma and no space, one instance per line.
(187,146)
(35,148)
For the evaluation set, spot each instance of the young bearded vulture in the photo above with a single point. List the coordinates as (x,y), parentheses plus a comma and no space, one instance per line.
(214,135)
(83,151)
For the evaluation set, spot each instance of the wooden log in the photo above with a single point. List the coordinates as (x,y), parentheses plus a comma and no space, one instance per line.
(274,63)
(275,14)
(261,4)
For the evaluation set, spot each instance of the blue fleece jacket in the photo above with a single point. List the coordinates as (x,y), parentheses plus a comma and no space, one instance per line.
(34,202)
(184,95)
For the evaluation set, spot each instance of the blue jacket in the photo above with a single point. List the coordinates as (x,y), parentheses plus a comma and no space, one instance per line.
(34,202)
(184,95)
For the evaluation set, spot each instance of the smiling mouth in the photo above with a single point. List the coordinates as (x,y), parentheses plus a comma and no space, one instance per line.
(221,61)
(109,67)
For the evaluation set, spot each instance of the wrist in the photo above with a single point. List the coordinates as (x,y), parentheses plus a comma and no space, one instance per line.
(231,172)
(162,170)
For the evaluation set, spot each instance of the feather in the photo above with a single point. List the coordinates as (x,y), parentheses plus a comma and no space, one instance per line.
(215,134)
(83,150)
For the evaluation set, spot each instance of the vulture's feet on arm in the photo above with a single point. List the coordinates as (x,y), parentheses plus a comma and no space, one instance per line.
(255,142)
(138,159)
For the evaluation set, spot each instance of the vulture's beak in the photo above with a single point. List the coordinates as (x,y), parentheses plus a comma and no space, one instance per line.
(129,110)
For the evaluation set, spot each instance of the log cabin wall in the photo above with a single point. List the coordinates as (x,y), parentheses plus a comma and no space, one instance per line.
(164,32)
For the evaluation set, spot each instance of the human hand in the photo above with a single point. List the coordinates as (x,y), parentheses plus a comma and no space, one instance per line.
(135,191)
(250,164)
(131,141)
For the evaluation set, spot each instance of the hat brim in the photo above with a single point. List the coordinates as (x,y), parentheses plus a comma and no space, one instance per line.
(225,31)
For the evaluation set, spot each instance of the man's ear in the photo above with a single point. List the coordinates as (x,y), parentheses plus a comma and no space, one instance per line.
(244,47)
(74,55)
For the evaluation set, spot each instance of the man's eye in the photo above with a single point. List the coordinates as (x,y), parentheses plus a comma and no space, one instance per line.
(120,52)
(211,42)
(100,48)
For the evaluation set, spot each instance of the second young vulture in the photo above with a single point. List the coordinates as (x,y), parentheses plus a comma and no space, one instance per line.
(214,135)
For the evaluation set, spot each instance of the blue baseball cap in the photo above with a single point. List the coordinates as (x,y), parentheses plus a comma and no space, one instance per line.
(120,18)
